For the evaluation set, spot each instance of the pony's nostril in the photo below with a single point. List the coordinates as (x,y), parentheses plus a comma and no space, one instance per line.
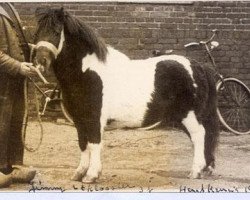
(44,61)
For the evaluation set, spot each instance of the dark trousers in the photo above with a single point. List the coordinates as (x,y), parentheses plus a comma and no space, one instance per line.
(11,120)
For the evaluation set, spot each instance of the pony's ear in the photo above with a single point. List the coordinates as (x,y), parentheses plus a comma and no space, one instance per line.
(61,13)
(40,12)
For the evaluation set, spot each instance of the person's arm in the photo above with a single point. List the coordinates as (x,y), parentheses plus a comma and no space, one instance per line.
(12,66)
(9,65)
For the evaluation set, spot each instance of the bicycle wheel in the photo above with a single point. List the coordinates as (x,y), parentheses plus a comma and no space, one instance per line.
(234,105)
(64,110)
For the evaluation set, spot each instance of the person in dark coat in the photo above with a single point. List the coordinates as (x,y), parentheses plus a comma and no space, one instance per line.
(13,72)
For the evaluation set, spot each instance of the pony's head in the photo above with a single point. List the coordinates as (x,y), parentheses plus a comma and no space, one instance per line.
(57,29)
(49,36)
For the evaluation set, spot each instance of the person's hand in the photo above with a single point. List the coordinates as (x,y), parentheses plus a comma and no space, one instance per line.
(27,69)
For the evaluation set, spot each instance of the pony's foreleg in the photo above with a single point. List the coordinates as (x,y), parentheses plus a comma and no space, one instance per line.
(95,147)
(95,165)
(197,134)
(85,154)
(83,166)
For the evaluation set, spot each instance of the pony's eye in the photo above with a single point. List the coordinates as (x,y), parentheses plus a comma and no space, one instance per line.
(56,33)
(44,61)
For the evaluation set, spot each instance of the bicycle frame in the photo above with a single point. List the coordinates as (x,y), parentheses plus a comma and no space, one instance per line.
(49,98)
(209,51)
(223,88)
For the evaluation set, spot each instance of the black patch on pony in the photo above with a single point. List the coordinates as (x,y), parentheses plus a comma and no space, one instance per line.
(175,95)
(82,92)
(83,100)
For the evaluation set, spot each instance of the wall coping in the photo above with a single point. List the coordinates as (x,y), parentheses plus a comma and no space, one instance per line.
(182,2)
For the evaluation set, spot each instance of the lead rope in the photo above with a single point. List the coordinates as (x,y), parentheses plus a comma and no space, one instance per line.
(31,149)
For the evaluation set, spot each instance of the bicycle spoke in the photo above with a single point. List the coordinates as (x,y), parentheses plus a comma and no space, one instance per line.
(242,95)
(234,93)
(225,112)
(230,116)
(237,118)
(227,94)
(234,106)
(245,119)
(233,119)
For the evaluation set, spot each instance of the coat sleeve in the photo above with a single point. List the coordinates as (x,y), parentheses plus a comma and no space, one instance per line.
(9,65)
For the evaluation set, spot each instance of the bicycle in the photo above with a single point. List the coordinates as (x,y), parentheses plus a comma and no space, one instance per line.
(51,100)
(233,95)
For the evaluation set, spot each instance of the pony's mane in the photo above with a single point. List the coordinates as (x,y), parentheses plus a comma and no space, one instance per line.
(76,29)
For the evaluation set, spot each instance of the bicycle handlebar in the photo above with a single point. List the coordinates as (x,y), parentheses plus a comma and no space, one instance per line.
(215,31)
(205,43)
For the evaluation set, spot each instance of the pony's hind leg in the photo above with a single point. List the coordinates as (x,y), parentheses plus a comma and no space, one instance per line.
(211,124)
(197,134)
(211,138)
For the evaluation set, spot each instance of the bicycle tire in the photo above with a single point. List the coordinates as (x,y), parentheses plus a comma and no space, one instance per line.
(234,105)
(64,110)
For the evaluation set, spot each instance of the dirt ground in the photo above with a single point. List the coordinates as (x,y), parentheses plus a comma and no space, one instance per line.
(134,160)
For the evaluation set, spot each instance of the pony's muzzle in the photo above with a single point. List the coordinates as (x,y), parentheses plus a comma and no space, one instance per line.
(40,68)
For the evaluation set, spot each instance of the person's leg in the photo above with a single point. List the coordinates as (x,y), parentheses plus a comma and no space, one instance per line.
(6,103)
(15,145)
(5,118)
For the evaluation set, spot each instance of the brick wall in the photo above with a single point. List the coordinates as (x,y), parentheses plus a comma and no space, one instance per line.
(138,28)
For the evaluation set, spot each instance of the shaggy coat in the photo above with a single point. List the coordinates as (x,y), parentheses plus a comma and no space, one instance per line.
(100,83)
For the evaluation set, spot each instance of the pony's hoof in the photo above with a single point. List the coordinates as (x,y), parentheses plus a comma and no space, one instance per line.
(77,176)
(208,171)
(195,175)
(89,179)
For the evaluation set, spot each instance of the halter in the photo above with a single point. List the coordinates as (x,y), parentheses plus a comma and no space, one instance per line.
(56,51)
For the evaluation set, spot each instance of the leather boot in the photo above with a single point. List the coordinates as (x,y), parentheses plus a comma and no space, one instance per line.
(5,180)
(22,175)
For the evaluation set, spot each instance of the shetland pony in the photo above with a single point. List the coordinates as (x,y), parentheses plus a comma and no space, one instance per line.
(100,83)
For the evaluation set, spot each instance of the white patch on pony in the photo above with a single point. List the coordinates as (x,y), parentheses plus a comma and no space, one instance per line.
(197,133)
(127,84)
(62,40)
(83,166)
(95,165)
(90,61)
